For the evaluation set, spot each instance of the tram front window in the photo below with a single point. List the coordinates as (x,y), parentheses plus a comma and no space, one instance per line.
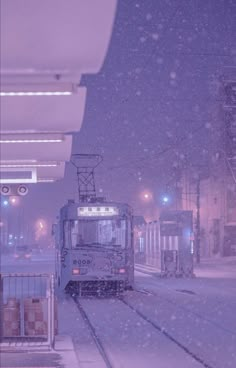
(98,232)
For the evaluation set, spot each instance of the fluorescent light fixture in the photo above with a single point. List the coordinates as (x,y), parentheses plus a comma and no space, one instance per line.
(31,141)
(28,165)
(31,138)
(45,180)
(41,93)
(17,161)
(38,89)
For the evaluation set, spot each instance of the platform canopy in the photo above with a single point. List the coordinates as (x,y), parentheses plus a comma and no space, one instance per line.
(45,48)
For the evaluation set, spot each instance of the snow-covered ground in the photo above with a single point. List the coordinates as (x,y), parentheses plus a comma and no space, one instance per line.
(128,340)
(163,323)
(191,322)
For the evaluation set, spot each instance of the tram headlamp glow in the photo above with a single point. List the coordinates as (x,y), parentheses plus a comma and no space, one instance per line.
(119,271)
(75,271)
(122,270)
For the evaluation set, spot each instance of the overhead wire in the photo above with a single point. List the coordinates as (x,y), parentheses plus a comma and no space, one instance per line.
(161,152)
(140,161)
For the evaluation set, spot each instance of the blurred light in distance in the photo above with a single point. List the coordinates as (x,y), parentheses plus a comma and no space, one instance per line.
(165,199)
(146,196)
(15,201)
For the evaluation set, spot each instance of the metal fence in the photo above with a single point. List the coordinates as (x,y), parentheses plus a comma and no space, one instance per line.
(28,310)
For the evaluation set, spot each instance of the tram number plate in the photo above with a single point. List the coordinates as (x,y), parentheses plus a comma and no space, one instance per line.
(82,262)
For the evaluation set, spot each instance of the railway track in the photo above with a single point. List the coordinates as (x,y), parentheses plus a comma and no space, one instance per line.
(198,315)
(102,350)
(94,335)
(167,335)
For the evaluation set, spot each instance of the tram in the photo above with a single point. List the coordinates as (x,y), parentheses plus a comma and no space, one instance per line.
(94,246)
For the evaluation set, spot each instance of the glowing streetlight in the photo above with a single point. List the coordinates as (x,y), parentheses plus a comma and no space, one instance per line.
(165,199)
(14,201)
(5,203)
(40,229)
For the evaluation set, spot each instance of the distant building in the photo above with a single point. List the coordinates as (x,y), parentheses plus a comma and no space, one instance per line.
(138,221)
(218,185)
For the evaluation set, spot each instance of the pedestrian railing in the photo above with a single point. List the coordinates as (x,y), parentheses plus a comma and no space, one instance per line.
(28,310)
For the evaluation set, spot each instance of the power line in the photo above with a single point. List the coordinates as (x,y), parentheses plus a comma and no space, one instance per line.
(160,153)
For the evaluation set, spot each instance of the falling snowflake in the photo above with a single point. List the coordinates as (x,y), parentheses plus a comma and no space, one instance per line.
(138,70)
(155,36)
(159,60)
(173,75)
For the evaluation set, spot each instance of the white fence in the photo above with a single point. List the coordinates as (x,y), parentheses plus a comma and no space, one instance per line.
(28,310)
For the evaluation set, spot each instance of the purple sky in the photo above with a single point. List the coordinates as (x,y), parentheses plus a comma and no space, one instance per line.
(155,103)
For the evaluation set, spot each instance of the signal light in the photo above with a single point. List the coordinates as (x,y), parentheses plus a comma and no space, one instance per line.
(5,190)
(22,190)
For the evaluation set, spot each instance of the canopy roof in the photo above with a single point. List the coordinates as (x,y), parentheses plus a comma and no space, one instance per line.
(46,46)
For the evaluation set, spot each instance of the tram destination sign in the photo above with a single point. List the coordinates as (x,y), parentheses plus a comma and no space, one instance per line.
(96,211)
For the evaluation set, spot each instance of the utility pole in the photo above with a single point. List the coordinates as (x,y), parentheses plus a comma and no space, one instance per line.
(198,227)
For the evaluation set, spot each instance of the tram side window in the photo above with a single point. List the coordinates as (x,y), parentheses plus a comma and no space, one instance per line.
(76,238)
(67,234)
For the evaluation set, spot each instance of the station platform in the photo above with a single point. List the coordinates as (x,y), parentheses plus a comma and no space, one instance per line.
(22,356)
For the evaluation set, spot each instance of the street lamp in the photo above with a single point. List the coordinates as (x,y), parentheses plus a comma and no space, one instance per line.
(165,199)
(5,203)
(146,196)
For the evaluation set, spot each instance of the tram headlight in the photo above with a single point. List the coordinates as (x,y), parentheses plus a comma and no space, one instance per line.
(117,271)
(75,271)
(122,270)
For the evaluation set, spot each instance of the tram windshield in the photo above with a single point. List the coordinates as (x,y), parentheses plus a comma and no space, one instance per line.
(99,232)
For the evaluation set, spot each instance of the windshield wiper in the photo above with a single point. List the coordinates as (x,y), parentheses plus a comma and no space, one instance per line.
(97,245)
